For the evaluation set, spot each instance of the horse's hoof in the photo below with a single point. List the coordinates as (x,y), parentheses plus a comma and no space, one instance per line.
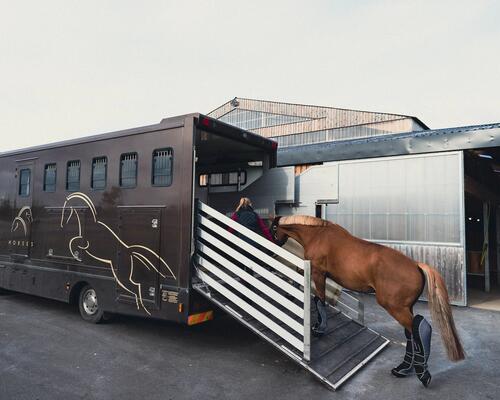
(425,378)
(316,331)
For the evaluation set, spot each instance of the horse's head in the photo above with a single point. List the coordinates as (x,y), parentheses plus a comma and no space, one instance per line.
(279,236)
(68,209)
(66,214)
(26,214)
(24,218)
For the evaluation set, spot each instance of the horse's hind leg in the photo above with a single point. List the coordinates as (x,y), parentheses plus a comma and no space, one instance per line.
(422,332)
(319,279)
(405,317)
(418,344)
(406,367)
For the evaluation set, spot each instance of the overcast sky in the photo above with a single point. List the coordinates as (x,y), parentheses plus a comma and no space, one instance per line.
(74,68)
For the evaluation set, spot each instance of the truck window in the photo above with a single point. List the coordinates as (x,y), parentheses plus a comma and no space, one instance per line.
(73,176)
(99,171)
(162,167)
(24,182)
(49,178)
(223,179)
(128,170)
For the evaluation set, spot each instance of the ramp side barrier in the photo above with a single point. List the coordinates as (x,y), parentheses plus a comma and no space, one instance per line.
(351,306)
(241,266)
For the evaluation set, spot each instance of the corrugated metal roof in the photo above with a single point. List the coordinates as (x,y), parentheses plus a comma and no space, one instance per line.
(319,117)
(237,102)
(429,141)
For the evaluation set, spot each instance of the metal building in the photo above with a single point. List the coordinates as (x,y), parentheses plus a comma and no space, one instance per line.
(432,194)
(298,124)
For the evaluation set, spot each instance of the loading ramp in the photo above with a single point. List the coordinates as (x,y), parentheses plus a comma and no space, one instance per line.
(244,274)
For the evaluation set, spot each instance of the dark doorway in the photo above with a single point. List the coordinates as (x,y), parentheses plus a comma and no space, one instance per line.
(482,207)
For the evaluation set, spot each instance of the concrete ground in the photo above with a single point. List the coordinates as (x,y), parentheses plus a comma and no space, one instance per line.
(48,353)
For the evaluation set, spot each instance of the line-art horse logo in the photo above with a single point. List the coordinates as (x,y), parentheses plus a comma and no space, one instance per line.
(139,256)
(23,218)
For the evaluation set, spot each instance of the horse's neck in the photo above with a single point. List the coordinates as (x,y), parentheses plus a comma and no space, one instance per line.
(301,233)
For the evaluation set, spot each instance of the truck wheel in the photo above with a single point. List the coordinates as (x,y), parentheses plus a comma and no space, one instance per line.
(89,306)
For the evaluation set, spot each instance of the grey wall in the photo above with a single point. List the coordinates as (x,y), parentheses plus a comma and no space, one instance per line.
(412,203)
(411,198)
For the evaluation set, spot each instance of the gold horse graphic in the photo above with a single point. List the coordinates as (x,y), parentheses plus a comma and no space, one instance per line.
(139,256)
(23,218)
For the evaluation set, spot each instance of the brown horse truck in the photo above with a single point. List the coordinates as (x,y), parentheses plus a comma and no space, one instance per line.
(106,221)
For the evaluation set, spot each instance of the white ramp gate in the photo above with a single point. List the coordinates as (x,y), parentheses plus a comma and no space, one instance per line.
(238,270)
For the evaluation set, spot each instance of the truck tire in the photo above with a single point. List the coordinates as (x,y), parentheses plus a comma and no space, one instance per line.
(89,306)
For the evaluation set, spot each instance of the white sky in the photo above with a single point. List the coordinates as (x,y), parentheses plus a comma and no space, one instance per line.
(73,68)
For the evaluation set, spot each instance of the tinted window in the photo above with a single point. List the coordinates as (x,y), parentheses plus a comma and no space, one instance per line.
(49,178)
(73,176)
(24,182)
(99,167)
(162,167)
(128,170)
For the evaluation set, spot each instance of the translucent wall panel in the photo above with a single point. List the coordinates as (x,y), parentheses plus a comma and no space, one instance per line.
(301,138)
(346,133)
(413,198)
(246,119)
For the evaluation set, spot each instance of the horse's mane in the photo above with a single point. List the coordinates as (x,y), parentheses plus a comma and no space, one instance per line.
(303,220)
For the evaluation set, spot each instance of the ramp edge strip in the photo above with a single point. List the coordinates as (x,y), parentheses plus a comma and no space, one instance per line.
(342,380)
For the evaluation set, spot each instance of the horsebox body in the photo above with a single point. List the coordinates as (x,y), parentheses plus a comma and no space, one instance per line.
(115,211)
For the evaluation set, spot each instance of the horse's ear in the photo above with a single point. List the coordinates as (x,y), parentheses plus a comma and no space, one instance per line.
(63,211)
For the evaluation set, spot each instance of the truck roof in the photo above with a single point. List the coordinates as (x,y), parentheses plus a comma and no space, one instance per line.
(201,121)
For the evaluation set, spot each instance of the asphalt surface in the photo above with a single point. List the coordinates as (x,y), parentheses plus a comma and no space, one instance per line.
(48,353)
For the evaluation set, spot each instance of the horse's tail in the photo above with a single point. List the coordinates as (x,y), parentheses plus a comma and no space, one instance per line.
(441,312)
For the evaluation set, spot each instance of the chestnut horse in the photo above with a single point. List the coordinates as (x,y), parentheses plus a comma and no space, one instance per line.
(363,266)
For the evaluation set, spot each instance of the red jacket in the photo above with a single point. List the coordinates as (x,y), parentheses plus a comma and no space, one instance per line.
(261,225)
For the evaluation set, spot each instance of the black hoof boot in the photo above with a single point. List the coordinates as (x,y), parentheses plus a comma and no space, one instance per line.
(422,332)
(319,327)
(406,367)
(425,378)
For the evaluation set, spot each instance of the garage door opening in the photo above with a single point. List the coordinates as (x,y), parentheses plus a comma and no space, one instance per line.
(482,227)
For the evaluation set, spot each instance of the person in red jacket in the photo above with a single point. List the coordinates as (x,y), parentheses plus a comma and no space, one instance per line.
(246,216)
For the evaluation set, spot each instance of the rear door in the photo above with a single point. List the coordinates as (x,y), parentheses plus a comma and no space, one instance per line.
(138,257)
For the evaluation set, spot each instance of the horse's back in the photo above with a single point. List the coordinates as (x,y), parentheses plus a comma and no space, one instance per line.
(357,261)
